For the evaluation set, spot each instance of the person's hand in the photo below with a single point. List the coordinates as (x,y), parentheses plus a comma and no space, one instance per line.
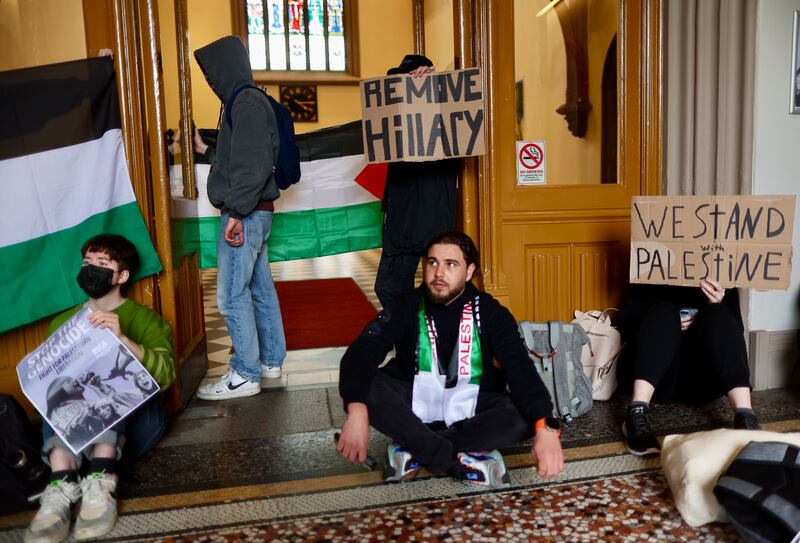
(234,232)
(547,453)
(686,322)
(712,290)
(106,319)
(105,52)
(354,440)
(421,71)
(199,145)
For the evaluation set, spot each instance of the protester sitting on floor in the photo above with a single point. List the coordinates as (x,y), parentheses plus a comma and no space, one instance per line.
(683,344)
(109,262)
(443,397)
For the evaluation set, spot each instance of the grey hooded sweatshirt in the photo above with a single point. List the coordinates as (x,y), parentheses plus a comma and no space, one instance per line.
(242,164)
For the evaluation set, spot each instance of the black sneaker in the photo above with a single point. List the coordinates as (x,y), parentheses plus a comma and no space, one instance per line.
(639,437)
(745,421)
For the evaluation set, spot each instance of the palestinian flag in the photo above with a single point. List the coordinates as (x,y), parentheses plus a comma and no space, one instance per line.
(335,208)
(63,179)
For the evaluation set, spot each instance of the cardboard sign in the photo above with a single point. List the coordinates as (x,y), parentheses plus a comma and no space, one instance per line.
(427,118)
(739,241)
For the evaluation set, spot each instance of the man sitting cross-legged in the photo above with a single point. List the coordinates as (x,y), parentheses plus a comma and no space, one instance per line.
(109,262)
(443,398)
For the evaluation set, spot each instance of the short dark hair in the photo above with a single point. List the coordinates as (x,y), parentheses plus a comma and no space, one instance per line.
(454,237)
(117,248)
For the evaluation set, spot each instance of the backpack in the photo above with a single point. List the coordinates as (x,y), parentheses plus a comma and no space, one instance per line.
(555,349)
(761,492)
(287,163)
(22,472)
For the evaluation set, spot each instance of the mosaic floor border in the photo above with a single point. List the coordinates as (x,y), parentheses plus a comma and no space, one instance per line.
(330,502)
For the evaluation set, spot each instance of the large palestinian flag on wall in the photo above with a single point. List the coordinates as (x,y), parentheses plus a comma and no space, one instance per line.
(335,208)
(63,179)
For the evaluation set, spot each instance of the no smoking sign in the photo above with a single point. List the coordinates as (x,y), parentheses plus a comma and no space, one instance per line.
(531,163)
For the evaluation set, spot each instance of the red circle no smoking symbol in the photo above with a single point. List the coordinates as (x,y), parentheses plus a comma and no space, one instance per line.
(530,156)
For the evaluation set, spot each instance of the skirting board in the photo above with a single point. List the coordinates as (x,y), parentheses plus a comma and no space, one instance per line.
(774,359)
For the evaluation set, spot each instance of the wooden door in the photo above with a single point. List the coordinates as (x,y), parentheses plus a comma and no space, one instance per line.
(551,248)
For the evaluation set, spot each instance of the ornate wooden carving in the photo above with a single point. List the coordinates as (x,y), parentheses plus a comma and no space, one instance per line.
(572,17)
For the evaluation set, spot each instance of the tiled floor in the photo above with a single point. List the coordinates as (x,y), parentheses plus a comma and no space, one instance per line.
(306,368)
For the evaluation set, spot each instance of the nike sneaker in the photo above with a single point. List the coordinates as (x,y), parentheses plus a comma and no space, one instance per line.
(400,464)
(230,385)
(485,468)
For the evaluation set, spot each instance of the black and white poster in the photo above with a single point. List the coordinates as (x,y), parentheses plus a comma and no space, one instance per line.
(83,381)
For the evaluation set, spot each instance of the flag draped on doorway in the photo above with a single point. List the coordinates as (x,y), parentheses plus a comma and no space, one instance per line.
(63,179)
(335,208)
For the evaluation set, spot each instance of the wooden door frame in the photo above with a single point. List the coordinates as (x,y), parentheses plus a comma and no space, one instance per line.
(130,29)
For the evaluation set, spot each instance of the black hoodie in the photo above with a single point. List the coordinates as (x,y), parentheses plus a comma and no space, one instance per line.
(242,164)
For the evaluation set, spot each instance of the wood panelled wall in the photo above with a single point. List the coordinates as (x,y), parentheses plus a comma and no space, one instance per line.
(548,250)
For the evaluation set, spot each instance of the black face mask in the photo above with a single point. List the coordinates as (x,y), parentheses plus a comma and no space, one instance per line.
(95,281)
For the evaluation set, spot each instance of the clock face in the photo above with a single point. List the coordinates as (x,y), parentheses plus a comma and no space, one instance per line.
(301,101)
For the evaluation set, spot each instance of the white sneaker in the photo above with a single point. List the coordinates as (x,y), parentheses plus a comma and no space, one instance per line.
(270,372)
(98,513)
(51,523)
(230,385)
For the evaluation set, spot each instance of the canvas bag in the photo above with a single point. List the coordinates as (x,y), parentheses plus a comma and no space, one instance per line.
(555,349)
(600,354)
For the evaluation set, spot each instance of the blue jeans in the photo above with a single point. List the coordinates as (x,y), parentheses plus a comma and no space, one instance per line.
(135,435)
(247,299)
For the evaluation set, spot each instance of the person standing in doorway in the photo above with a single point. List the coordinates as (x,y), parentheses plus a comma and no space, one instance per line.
(242,186)
(419,201)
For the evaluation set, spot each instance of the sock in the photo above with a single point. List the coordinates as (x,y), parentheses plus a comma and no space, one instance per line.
(102,465)
(744,411)
(69,475)
(634,404)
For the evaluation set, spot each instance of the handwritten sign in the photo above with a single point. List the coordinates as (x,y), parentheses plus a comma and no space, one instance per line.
(427,118)
(742,241)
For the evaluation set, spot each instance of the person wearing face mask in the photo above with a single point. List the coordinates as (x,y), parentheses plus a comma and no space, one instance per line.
(109,263)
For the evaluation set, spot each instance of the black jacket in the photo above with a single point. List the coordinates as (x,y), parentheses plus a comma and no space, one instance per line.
(419,201)
(241,165)
(398,326)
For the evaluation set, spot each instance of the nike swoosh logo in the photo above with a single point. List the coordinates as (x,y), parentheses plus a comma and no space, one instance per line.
(231,386)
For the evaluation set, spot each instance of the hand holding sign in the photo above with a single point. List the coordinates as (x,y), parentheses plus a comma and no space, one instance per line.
(423,115)
(742,241)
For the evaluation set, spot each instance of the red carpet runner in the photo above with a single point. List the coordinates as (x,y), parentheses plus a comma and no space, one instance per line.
(322,312)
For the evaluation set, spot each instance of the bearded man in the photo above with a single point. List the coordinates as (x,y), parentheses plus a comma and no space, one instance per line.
(460,386)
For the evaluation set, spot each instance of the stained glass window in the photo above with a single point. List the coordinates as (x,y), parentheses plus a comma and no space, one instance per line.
(297,35)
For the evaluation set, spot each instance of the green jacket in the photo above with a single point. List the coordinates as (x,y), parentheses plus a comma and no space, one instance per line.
(145,327)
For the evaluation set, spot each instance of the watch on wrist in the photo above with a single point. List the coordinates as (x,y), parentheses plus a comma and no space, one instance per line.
(551,424)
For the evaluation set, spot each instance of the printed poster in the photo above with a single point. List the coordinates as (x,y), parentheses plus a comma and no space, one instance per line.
(83,381)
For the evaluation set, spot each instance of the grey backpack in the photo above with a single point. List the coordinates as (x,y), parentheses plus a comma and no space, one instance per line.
(555,349)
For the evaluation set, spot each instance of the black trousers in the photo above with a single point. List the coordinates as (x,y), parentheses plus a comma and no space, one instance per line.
(700,364)
(395,276)
(497,423)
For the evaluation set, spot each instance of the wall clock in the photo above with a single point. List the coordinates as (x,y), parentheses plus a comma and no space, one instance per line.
(301,101)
